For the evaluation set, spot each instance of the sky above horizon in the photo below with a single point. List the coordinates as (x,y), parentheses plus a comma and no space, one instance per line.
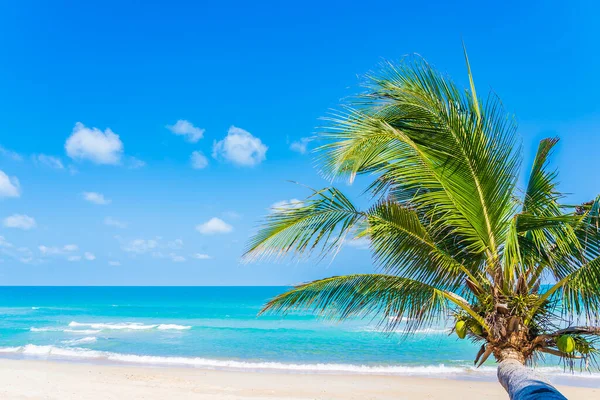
(142,142)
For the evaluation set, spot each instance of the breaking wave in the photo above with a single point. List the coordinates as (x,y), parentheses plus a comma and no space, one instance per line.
(77,353)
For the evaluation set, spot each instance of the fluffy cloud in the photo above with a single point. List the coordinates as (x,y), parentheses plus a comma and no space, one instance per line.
(187,129)
(19,221)
(54,250)
(200,256)
(286,205)
(214,226)
(135,163)
(114,263)
(96,198)
(4,242)
(198,160)
(9,186)
(48,161)
(110,221)
(94,145)
(241,148)
(74,258)
(21,254)
(300,146)
(140,246)
(175,244)
(176,257)
(358,243)
(89,256)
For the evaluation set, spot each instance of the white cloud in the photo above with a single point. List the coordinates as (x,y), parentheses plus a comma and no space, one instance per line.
(198,160)
(135,163)
(94,145)
(74,258)
(175,244)
(358,243)
(4,242)
(286,205)
(300,146)
(214,226)
(110,221)
(10,154)
(9,186)
(140,246)
(114,263)
(49,250)
(187,129)
(240,147)
(19,221)
(48,161)
(89,256)
(54,250)
(177,258)
(200,256)
(96,198)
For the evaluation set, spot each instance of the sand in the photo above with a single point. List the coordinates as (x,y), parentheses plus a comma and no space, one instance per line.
(29,379)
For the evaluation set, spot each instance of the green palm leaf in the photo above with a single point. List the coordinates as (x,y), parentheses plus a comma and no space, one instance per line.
(321,223)
(389,298)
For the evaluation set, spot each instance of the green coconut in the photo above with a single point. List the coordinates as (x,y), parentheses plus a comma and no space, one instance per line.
(566,344)
(461,329)
(476,328)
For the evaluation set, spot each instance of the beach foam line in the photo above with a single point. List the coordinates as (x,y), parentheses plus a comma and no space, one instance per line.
(84,340)
(128,326)
(82,331)
(77,353)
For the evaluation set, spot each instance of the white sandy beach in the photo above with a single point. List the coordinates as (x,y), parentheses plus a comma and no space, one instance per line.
(27,379)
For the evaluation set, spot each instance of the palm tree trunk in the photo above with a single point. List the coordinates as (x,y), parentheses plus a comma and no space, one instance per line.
(523,383)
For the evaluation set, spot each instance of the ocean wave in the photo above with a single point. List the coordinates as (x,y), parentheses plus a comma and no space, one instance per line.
(48,329)
(128,326)
(77,353)
(85,340)
(82,331)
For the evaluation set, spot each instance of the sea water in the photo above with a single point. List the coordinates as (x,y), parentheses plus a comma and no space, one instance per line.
(219,328)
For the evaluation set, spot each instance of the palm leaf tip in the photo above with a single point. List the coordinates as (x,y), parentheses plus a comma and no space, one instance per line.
(318,224)
(390,299)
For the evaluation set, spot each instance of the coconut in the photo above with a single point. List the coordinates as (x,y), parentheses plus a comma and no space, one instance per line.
(461,329)
(566,344)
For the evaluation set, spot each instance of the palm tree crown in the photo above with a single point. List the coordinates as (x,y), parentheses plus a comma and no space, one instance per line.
(449,229)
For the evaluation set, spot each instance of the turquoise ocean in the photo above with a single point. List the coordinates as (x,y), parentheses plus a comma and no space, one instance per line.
(218,328)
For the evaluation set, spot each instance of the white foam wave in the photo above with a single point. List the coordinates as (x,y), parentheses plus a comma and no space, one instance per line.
(128,326)
(82,331)
(165,327)
(44,329)
(84,340)
(420,370)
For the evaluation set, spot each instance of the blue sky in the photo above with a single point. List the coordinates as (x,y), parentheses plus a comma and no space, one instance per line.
(113,190)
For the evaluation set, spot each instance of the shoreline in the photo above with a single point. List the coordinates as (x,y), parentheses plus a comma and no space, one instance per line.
(487,373)
(49,379)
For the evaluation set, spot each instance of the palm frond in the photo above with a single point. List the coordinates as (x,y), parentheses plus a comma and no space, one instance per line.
(320,222)
(403,245)
(541,196)
(422,134)
(390,299)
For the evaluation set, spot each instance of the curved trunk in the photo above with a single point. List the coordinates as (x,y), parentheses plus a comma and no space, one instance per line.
(523,383)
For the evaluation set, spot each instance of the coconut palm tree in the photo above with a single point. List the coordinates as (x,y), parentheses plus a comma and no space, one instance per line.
(451,232)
